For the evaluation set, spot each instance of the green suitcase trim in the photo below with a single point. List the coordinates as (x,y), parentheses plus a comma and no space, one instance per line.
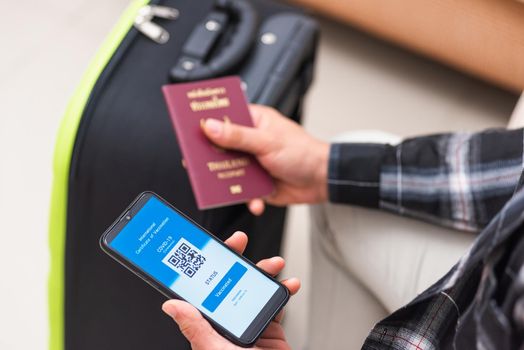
(61,167)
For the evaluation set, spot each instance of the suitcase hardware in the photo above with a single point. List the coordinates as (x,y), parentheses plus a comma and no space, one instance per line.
(144,21)
(198,59)
(271,52)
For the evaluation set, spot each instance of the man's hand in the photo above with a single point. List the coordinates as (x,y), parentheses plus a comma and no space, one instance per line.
(297,161)
(200,333)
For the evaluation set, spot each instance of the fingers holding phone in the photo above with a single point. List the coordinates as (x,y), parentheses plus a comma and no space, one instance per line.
(200,333)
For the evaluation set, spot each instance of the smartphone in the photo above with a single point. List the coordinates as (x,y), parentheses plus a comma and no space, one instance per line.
(182,260)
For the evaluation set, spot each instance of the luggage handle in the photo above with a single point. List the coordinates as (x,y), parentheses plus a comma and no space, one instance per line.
(192,64)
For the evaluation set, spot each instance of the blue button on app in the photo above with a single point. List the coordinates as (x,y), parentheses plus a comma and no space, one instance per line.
(224,287)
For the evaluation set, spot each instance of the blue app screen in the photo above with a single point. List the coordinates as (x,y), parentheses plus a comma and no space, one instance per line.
(185,259)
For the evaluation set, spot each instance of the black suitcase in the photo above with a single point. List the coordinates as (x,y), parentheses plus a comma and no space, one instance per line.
(116,141)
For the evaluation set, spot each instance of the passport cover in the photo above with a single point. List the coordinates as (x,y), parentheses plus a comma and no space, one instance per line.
(218,177)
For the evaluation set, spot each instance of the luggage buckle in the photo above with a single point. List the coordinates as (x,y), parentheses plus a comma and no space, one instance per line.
(144,22)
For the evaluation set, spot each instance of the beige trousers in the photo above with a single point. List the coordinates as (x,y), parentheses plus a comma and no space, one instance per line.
(367,263)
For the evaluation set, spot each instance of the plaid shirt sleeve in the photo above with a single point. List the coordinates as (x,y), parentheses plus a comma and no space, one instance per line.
(459,180)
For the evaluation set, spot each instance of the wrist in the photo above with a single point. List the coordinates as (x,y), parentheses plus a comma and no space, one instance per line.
(321,173)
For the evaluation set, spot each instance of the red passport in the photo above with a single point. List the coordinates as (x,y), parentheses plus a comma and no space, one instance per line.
(218,177)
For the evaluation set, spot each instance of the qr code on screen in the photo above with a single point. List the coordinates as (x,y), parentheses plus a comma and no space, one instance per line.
(185,258)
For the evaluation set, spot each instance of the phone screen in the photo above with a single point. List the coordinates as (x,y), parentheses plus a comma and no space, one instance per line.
(188,261)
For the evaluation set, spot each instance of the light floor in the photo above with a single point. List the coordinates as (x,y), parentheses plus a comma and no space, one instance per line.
(361,83)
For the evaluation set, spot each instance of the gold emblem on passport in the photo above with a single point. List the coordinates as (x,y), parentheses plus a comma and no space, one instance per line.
(235,189)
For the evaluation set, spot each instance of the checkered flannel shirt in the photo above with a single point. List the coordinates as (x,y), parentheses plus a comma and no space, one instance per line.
(459,180)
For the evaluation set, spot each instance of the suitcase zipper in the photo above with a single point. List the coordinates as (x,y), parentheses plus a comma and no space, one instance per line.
(144,21)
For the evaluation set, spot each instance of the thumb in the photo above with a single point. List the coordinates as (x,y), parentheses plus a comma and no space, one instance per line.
(193,326)
(237,137)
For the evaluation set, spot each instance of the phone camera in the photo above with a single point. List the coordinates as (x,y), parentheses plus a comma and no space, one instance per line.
(128,217)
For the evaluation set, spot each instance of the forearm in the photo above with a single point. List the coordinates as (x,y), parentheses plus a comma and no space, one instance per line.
(457,180)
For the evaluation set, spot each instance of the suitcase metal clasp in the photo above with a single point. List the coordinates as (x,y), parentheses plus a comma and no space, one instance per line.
(144,22)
